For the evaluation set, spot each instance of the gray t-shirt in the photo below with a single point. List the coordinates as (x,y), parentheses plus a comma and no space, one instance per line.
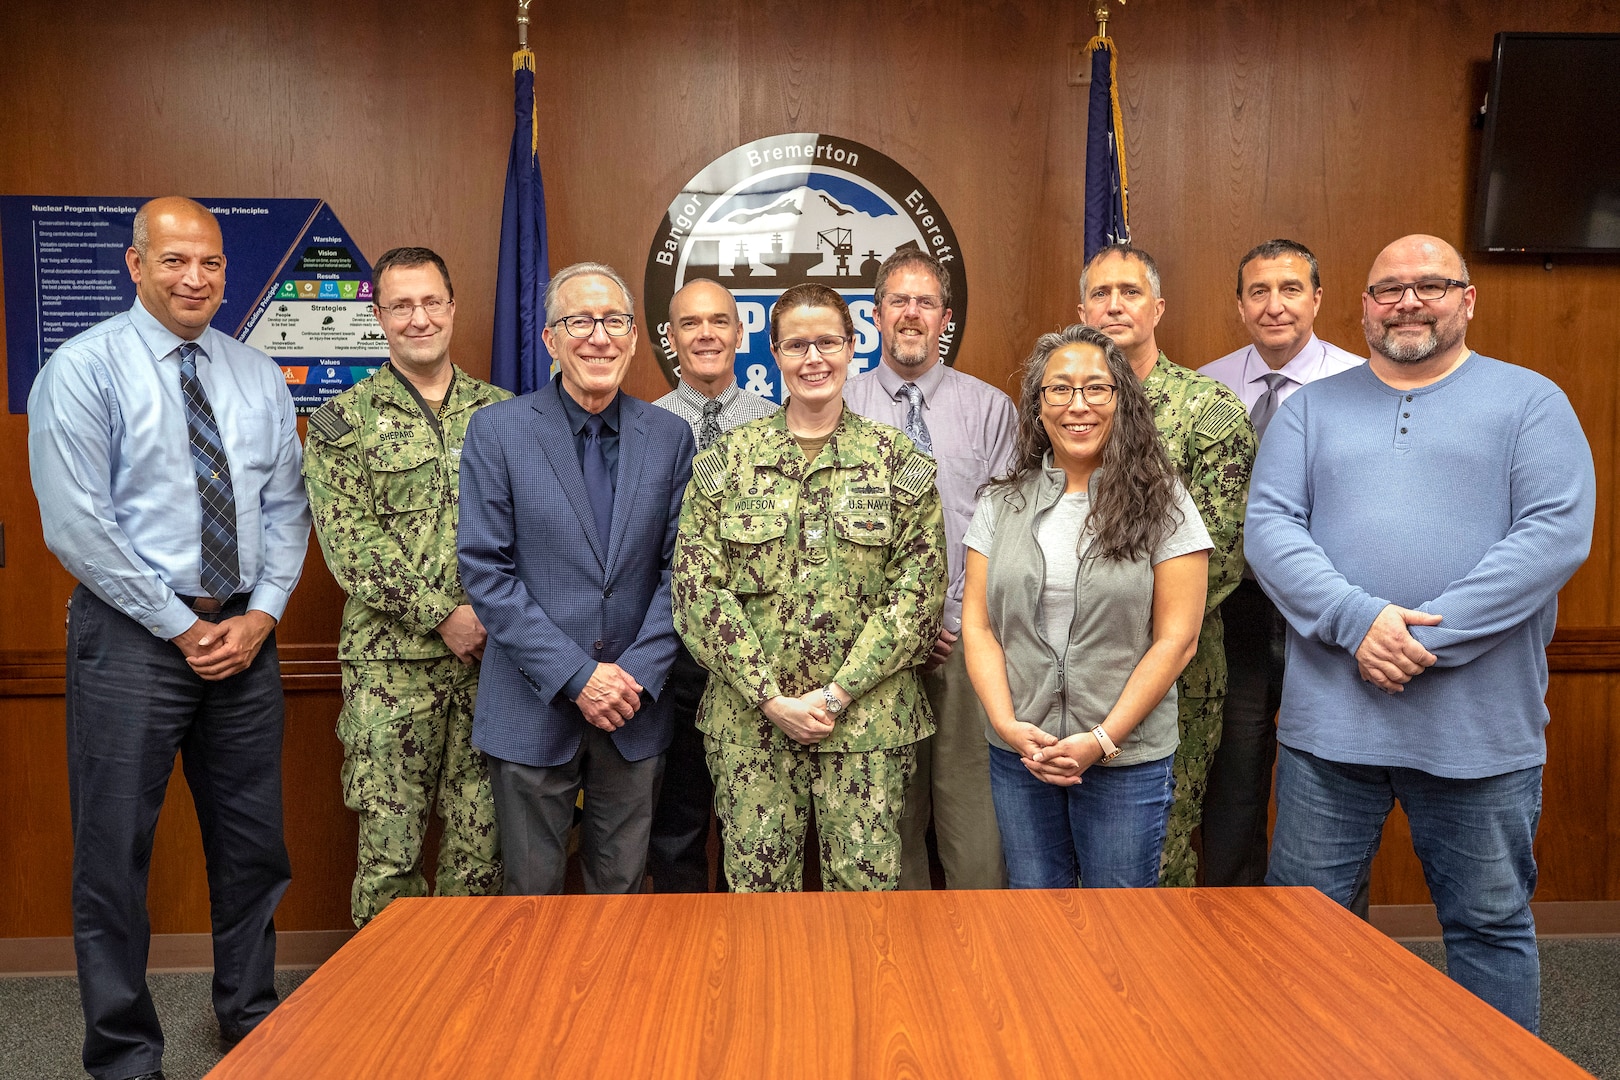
(1059,535)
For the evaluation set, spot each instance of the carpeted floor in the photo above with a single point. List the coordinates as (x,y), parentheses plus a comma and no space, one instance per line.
(41,1027)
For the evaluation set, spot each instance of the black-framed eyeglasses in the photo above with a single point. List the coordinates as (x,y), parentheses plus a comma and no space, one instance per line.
(583,326)
(900,301)
(1427,290)
(433,309)
(826,345)
(1060,394)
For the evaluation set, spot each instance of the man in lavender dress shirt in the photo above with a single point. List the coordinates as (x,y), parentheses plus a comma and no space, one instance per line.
(968,427)
(1279,292)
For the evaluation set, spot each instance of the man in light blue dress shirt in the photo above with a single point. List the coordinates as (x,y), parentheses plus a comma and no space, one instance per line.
(165,458)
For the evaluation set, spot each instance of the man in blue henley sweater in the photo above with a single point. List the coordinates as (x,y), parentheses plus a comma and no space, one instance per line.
(1445,499)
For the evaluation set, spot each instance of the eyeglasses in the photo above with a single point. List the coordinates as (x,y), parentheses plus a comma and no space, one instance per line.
(433,309)
(582,326)
(1429,289)
(1060,394)
(900,301)
(826,345)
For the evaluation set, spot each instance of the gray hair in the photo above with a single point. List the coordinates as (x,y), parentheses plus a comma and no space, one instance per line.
(585,269)
(1126,251)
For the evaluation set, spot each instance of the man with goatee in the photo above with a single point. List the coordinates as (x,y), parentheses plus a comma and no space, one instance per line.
(1446,498)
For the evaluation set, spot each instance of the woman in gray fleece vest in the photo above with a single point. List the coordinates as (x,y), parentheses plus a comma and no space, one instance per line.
(1086,571)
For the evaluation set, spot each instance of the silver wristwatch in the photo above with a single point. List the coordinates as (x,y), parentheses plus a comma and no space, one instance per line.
(834,706)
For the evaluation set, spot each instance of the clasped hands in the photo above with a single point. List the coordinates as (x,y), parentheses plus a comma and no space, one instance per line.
(219,650)
(1050,759)
(1389,656)
(805,719)
(610,697)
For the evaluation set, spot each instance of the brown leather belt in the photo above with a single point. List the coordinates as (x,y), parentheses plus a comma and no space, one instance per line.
(207,607)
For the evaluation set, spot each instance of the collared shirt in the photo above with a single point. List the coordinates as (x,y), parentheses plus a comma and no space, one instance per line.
(737,406)
(110,456)
(577,416)
(1244,371)
(973,426)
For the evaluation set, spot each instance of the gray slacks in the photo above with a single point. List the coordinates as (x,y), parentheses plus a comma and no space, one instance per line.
(534,806)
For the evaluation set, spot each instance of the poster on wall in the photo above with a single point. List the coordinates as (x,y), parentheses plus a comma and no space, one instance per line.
(296,285)
(787,209)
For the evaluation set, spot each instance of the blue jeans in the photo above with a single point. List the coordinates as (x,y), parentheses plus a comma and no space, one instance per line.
(1106,831)
(1473,838)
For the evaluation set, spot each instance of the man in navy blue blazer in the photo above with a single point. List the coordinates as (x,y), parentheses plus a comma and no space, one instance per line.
(569,502)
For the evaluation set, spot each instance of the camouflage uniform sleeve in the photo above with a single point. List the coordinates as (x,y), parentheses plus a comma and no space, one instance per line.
(1224,445)
(367,562)
(901,634)
(708,615)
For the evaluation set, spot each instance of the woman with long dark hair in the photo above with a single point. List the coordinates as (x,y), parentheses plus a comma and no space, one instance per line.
(1086,573)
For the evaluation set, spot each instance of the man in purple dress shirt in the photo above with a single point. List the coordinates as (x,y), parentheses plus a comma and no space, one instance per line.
(1279,292)
(967,426)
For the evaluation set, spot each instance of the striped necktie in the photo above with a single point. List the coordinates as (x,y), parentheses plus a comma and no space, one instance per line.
(221,569)
(916,427)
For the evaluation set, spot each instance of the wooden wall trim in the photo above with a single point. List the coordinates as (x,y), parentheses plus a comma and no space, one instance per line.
(1554,918)
(42,672)
(170,952)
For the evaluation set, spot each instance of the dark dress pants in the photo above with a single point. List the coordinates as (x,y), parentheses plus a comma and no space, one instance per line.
(1239,792)
(132,703)
(678,852)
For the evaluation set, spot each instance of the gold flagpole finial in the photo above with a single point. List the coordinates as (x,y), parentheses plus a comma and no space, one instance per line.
(1102,16)
(523,23)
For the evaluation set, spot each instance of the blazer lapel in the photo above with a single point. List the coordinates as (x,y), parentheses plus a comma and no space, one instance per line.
(557,442)
(632,453)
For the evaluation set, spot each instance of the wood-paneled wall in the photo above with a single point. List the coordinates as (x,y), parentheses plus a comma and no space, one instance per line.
(1341,125)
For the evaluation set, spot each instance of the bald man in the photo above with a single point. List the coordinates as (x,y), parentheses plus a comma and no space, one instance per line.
(1445,499)
(705,332)
(165,459)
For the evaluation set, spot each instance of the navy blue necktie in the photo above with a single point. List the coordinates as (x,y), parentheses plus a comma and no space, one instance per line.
(598,481)
(221,567)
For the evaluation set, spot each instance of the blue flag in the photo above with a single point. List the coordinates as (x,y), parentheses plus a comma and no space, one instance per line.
(1106,200)
(518,358)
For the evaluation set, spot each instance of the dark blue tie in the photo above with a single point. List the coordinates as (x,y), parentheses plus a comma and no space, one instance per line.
(598,482)
(221,568)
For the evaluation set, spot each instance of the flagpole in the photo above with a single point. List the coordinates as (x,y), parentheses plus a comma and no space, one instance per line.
(523,23)
(1102,17)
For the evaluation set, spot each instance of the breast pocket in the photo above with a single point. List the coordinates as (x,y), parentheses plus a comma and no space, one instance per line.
(257,437)
(404,477)
(756,552)
(864,549)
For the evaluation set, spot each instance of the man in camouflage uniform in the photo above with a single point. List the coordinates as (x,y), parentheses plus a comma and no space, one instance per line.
(1207,433)
(382,463)
(792,576)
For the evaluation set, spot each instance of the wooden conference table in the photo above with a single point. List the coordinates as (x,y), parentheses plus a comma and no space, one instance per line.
(1078,983)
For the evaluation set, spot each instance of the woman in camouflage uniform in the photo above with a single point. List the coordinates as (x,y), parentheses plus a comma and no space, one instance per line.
(809,578)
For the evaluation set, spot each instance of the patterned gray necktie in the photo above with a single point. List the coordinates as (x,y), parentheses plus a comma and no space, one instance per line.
(709,427)
(1266,407)
(221,566)
(916,427)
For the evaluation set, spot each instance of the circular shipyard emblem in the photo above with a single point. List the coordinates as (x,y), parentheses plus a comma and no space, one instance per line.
(788,209)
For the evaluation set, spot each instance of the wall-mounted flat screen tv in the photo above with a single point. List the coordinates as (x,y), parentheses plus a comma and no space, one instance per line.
(1549,169)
